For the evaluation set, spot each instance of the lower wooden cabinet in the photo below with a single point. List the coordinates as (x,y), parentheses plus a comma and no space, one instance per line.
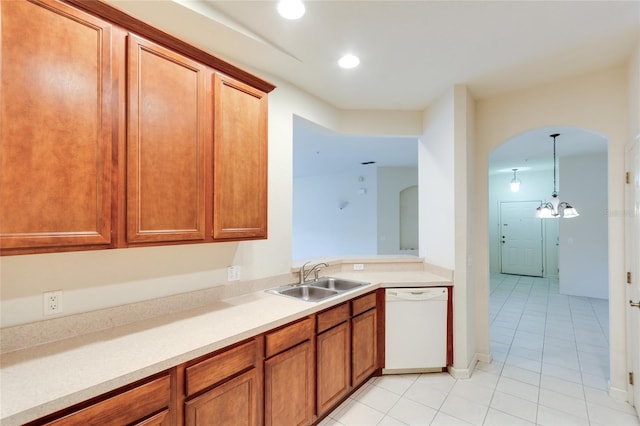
(290,376)
(364,346)
(225,388)
(234,403)
(289,387)
(332,354)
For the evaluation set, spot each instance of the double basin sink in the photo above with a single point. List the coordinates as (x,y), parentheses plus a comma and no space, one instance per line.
(315,291)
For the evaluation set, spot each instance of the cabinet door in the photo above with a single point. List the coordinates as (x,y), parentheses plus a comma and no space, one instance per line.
(240,161)
(289,387)
(167,131)
(234,403)
(364,346)
(332,349)
(56,136)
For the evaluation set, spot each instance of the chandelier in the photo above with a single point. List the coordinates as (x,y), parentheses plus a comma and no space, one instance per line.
(555,208)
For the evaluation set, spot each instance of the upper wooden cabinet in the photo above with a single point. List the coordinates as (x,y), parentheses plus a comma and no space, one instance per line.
(166,139)
(56,138)
(111,139)
(239,161)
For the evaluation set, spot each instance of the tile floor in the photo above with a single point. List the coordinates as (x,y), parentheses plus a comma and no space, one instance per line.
(550,367)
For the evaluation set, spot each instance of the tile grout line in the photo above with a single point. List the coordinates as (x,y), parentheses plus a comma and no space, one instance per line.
(546,320)
(508,351)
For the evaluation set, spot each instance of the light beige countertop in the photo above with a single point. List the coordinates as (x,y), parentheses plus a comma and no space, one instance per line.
(43,379)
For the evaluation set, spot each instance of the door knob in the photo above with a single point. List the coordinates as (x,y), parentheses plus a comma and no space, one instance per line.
(636,304)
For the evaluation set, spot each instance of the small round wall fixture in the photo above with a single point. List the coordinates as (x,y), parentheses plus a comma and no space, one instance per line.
(291,9)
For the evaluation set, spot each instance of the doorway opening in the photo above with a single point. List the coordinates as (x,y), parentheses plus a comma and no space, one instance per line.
(549,277)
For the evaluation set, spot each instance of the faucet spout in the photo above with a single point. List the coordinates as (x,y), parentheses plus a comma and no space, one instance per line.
(315,268)
(303,275)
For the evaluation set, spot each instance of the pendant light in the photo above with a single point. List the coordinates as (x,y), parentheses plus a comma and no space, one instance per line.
(515,182)
(555,208)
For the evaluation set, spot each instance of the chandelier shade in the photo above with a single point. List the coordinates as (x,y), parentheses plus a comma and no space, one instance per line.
(555,208)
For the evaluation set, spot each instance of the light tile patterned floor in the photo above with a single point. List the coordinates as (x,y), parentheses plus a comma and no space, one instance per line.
(551,366)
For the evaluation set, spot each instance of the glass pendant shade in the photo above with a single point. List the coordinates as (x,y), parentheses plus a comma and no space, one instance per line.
(515,182)
(570,212)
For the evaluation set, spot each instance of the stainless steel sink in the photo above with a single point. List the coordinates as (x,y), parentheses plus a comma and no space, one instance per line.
(337,284)
(315,291)
(308,293)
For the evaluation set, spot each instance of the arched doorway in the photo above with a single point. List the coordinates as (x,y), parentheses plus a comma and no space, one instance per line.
(569,307)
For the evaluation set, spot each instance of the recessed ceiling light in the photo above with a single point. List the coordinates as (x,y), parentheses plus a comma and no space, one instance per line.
(349,61)
(291,9)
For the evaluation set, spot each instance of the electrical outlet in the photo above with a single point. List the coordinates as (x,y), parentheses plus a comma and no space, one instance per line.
(358,267)
(233,273)
(52,302)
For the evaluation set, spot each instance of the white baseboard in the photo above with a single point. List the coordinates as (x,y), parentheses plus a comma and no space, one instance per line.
(464,373)
(619,394)
(484,357)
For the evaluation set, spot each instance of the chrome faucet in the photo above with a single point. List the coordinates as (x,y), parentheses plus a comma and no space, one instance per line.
(304,274)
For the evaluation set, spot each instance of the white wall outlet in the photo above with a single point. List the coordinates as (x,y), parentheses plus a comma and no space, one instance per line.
(358,267)
(233,273)
(52,302)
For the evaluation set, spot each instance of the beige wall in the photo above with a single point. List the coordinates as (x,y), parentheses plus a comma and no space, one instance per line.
(446,205)
(634,92)
(104,278)
(597,101)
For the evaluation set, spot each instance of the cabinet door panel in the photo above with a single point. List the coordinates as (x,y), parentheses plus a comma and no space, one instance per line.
(332,350)
(240,161)
(289,387)
(167,128)
(56,136)
(365,346)
(234,403)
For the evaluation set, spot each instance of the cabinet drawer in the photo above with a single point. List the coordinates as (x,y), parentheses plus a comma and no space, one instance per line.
(333,316)
(127,407)
(288,336)
(363,303)
(219,367)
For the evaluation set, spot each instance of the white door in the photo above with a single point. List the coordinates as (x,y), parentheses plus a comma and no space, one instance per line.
(632,224)
(520,238)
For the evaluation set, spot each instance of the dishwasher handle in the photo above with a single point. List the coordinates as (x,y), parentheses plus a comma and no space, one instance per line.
(417,294)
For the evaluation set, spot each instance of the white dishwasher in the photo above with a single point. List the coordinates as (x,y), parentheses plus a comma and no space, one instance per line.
(415,330)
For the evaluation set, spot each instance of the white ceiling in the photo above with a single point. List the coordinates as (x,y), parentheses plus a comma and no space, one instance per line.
(411,51)
(319,151)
